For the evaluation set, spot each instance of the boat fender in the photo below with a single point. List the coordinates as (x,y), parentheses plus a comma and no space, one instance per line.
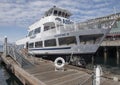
(59,65)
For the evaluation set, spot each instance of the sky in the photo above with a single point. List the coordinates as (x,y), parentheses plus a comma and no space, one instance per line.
(17,15)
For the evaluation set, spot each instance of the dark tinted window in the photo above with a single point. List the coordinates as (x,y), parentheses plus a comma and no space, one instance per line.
(55,12)
(30,33)
(37,30)
(46,28)
(90,39)
(38,44)
(31,45)
(59,13)
(49,26)
(63,14)
(67,40)
(51,42)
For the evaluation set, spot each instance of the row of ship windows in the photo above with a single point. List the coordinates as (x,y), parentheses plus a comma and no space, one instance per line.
(66,41)
(60,13)
(52,42)
(38,30)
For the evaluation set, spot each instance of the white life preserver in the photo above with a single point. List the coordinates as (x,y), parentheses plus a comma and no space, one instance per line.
(59,65)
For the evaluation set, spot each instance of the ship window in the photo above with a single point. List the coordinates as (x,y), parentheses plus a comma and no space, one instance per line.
(31,45)
(37,30)
(66,15)
(30,33)
(90,39)
(67,40)
(38,44)
(59,14)
(51,42)
(46,28)
(49,13)
(63,14)
(55,12)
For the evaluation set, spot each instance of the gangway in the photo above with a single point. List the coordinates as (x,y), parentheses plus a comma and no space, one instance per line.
(18,57)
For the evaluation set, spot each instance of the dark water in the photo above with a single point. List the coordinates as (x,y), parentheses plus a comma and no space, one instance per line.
(111,63)
(111,57)
(7,78)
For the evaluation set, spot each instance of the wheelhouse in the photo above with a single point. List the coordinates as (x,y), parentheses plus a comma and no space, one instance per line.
(58,12)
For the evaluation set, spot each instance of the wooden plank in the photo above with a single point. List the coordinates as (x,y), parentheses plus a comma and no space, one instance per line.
(73,81)
(53,75)
(40,69)
(63,78)
(30,78)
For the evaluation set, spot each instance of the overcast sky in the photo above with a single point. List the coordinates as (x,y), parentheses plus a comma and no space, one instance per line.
(17,15)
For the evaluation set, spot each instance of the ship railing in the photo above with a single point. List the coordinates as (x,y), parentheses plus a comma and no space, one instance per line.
(100,25)
(82,26)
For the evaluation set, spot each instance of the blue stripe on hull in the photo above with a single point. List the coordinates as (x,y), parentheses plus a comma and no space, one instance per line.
(50,48)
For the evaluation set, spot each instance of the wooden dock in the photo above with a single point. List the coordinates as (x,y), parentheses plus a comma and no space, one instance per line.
(43,73)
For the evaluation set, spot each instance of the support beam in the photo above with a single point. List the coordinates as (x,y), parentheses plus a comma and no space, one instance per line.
(93,60)
(105,55)
(118,56)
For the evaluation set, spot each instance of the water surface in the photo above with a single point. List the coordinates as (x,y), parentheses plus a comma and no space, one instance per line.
(7,78)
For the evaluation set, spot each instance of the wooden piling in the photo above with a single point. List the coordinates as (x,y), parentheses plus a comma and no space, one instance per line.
(118,56)
(105,55)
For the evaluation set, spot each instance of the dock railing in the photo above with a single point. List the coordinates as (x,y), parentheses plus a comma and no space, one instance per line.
(16,55)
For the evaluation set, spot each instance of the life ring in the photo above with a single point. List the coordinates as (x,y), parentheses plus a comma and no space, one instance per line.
(59,65)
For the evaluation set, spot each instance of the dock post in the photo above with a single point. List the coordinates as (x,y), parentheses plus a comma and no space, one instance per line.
(5,45)
(98,73)
(105,55)
(117,55)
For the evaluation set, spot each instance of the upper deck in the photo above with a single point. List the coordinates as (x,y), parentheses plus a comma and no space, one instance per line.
(53,18)
(51,15)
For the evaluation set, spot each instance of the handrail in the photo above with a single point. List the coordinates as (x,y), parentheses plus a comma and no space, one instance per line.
(77,26)
(17,56)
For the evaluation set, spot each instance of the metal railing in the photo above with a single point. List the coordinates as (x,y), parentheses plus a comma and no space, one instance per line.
(81,26)
(17,56)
